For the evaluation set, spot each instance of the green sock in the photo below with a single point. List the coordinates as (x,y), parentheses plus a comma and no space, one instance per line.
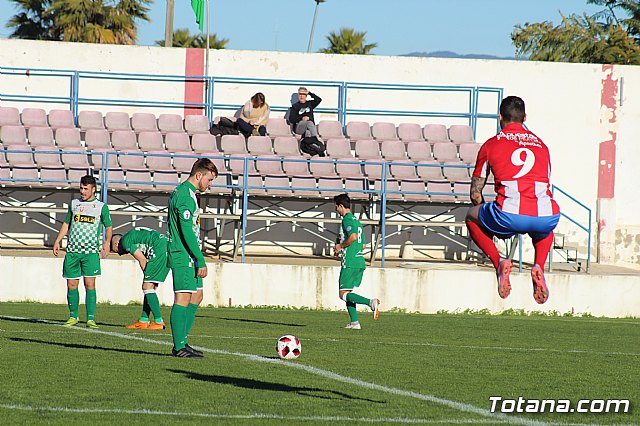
(178,322)
(91,304)
(356,298)
(353,312)
(146,309)
(154,306)
(191,317)
(73,300)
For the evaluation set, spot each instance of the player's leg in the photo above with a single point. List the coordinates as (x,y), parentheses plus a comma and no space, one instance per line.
(90,265)
(542,240)
(184,284)
(350,278)
(71,272)
(481,235)
(196,299)
(155,272)
(151,295)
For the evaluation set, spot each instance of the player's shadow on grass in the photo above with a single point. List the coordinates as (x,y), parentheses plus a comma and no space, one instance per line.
(277,387)
(79,346)
(47,321)
(262,322)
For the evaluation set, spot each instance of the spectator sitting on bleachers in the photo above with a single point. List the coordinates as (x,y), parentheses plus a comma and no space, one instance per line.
(254,116)
(301,113)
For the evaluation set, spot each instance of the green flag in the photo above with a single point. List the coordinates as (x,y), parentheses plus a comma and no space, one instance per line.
(198,8)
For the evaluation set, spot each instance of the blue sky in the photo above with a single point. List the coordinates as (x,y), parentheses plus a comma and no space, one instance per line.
(398,26)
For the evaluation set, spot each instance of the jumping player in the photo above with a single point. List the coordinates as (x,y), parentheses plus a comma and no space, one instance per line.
(83,222)
(353,264)
(185,258)
(149,248)
(520,163)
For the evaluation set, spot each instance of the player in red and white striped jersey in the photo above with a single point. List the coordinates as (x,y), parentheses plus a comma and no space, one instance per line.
(520,164)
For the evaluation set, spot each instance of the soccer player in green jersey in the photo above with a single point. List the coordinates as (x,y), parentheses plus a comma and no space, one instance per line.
(149,248)
(83,222)
(185,258)
(353,264)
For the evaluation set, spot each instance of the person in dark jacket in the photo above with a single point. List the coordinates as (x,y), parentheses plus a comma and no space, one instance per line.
(301,113)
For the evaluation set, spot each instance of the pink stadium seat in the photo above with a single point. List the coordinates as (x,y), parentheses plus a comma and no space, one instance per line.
(330,186)
(13,135)
(461,133)
(322,169)
(55,177)
(196,124)
(218,186)
(33,117)
(150,141)
(9,116)
(259,145)
(469,152)
(419,151)
(90,120)
(204,142)
(129,160)
(435,133)
(45,157)
(286,146)
(445,151)
(159,162)
(384,131)
(165,180)
(462,190)
(233,144)
(170,123)
(143,179)
(182,163)
(177,142)
(306,186)
(393,189)
(97,138)
(218,162)
(69,137)
(429,170)
(123,139)
(393,150)
(3,159)
(413,186)
(59,118)
(71,158)
(374,171)
(295,168)
(117,121)
(444,188)
(410,132)
(255,181)
(453,172)
(116,179)
(144,122)
(267,167)
(403,170)
(26,172)
(278,127)
(15,158)
(357,130)
(356,184)
(236,164)
(99,155)
(348,169)
(328,129)
(367,149)
(5,175)
(41,136)
(279,182)
(339,148)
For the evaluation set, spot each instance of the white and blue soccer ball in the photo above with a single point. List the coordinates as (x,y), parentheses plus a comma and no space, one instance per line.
(288,347)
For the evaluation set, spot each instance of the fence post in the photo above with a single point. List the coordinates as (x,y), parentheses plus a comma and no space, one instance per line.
(245,200)
(75,87)
(383,211)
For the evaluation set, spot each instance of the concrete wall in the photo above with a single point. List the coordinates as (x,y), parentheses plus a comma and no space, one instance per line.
(564,105)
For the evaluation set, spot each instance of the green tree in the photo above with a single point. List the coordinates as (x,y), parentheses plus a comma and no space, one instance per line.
(348,41)
(613,13)
(182,38)
(34,22)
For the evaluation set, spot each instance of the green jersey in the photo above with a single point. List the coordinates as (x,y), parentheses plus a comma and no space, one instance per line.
(148,241)
(184,228)
(352,255)
(84,219)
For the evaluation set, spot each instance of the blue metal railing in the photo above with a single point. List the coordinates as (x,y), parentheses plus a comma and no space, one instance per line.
(586,228)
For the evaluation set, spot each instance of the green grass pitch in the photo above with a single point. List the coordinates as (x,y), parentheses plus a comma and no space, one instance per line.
(404,368)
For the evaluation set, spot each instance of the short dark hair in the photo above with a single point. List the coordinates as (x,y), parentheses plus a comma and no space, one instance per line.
(342,200)
(88,180)
(512,109)
(203,165)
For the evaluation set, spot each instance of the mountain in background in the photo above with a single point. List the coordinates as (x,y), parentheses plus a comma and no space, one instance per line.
(449,54)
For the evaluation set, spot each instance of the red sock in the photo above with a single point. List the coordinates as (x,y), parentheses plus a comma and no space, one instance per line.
(542,249)
(484,241)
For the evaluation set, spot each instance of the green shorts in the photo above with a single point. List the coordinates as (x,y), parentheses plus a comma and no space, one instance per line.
(78,265)
(350,278)
(185,279)
(156,270)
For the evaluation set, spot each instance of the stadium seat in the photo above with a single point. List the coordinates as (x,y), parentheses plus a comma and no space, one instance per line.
(328,129)
(384,131)
(75,174)
(24,157)
(196,124)
(123,139)
(5,175)
(461,133)
(413,186)
(60,118)
(373,170)
(160,160)
(453,172)
(435,133)
(393,189)
(462,190)
(266,166)
(177,142)
(356,184)
(306,186)
(233,144)
(41,136)
(295,168)
(27,172)
(349,169)
(47,156)
(357,130)
(97,138)
(115,179)
(182,163)
(220,184)
(165,180)
(144,122)
(13,135)
(278,127)
(469,152)
(129,160)
(99,155)
(259,145)
(139,180)
(72,158)
(34,117)
(403,170)
(150,141)
(204,142)
(368,149)
(339,148)
(69,137)
(170,123)
(54,177)
(117,121)
(419,151)
(393,150)
(286,146)
(410,132)
(445,151)
(429,170)
(218,162)
(330,186)
(277,185)
(9,116)
(254,181)
(322,168)
(3,158)
(236,164)
(90,120)
(442,187)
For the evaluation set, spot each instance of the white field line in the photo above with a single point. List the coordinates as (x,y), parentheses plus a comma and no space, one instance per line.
(459,406)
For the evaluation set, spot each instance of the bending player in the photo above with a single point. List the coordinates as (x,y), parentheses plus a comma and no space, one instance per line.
(149,248)
(520,163)
(353,264)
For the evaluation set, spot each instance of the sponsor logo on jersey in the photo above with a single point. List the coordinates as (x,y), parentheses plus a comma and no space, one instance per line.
(186,214)
(81,209)
(84,219)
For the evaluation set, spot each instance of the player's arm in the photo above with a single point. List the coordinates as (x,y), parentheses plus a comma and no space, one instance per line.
(105,217)
(62,233)
(477,180)
(186,229)
(477,183)
(346,243)
(142,260)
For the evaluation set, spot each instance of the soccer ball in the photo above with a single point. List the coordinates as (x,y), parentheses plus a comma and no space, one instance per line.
(288,347)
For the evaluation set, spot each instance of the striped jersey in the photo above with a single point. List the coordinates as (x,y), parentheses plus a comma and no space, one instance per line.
(84,219)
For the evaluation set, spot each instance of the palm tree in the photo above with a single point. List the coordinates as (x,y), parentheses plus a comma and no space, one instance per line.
(35,22)
(182,38)
(631,8)
(348,41)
